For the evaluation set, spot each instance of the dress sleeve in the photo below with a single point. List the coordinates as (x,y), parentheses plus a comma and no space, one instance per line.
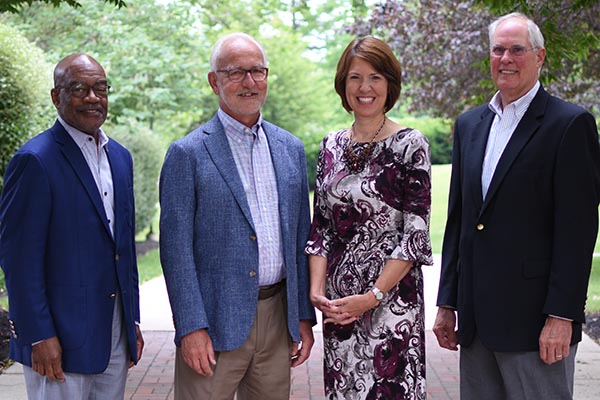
(321,230)
(415,243)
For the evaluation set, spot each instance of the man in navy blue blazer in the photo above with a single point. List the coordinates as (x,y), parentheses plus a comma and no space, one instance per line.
(233,226)
(522,224)
(67,247)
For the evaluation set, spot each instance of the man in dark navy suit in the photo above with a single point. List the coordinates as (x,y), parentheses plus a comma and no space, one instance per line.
(522,224)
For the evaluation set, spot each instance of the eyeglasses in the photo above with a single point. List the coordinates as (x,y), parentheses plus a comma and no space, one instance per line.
(515,51)
(237,74)
(81,89)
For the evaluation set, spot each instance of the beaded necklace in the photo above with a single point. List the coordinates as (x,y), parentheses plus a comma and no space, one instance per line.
(357,162)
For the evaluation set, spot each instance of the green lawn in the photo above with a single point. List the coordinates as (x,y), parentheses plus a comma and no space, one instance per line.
(440,181)
(593,300)
(149,266)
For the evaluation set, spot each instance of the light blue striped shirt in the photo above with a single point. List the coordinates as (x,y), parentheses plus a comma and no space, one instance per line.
(252,157)
(504,124)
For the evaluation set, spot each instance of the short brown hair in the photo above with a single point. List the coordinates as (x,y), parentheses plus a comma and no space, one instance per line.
(377,53)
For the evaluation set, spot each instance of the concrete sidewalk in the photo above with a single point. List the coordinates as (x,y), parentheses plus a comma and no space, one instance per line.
(152,378)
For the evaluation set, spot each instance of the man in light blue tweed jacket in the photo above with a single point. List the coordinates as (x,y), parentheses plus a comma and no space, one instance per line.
(234,222)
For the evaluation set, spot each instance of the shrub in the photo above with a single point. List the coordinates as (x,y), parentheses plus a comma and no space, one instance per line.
(147,152)
(439,133)
(312,143)
(25,105)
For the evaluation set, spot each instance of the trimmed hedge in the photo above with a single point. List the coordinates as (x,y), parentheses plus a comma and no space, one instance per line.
(25,105)
(147,152)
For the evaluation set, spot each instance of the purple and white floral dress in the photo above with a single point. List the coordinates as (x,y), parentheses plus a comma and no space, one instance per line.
(360,221)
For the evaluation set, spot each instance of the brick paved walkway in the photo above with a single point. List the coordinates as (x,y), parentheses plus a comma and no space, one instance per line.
(152,378)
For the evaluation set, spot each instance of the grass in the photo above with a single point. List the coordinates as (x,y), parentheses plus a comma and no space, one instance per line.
(593,300)
(149,266)
(440,180)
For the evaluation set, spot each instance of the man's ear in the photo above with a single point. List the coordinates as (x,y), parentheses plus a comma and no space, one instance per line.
(541,56)
(55,95)
(212,81)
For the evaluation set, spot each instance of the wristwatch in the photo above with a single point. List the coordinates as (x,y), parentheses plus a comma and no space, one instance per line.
(378,293)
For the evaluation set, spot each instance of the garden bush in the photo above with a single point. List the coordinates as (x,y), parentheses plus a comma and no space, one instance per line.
(147,152)
(25,105)
(439,133)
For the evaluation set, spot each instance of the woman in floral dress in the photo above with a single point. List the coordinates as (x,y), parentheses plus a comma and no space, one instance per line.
(370,236)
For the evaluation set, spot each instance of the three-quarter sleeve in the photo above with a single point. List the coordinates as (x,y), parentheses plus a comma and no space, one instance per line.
(414,242)
(321,232)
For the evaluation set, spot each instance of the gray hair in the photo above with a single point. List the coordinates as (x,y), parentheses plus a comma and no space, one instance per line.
(536,39)
(218,47)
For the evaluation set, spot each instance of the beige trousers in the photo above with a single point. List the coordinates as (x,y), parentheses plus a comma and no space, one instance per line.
(259,370)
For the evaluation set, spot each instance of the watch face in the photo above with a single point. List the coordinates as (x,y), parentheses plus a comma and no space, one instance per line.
(378,293)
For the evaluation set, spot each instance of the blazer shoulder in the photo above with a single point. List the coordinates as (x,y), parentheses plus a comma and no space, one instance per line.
(272,129)
(42,144)
(475,114)
(199,134)
(562,107)
(116,146)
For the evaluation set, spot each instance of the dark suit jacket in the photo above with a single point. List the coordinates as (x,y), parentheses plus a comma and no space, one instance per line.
(62,265)
(526,251)
(208,245)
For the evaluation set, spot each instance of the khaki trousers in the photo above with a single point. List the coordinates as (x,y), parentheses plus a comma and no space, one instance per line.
(259,370)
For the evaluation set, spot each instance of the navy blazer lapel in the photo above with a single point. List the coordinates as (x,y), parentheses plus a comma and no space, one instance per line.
(478,143)
(217,146)
(75,158)
(526,128)
(120,189)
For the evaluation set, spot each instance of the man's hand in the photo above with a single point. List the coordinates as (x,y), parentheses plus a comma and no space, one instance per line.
(139,344)
(46,359)
(299,354)
(555,340)
(198,352)
(443,327)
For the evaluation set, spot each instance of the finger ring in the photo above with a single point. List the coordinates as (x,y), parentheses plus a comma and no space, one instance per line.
(559,356)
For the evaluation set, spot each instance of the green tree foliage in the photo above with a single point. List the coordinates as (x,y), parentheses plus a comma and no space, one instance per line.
(151,51)
(156,55)
(147,152)
(14,6)
(444,48)
(25,82)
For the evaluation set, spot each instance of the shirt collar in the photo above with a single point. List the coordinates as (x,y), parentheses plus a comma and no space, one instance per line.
(235,128)
(520,105)
(82,138)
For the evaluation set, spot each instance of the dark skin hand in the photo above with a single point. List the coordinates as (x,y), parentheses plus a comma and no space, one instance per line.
(444,328)
(139,344)
(46,359)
